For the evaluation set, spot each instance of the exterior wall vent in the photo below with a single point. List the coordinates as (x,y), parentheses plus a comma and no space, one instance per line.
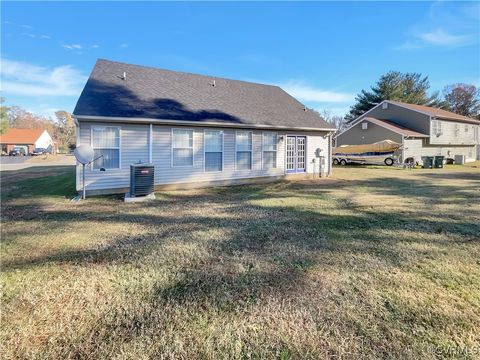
(385,106)
(364,126)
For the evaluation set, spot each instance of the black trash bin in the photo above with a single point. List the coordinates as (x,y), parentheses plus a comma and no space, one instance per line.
(427,162)
(438,162)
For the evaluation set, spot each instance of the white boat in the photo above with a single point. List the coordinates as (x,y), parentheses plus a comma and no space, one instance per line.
(382,152)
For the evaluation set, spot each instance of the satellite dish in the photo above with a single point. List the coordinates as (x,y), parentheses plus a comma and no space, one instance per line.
(84,154)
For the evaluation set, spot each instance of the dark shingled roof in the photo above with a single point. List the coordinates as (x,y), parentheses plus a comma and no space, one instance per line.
(169,95)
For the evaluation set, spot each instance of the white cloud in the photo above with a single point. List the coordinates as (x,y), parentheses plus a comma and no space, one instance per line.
(304,92)
(95,46)
(45,37)
(445,25)
(26,27)
(124,45)
(443,38)
(73,47)
(22,78)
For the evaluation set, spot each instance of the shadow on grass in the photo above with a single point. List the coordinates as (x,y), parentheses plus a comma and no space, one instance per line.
(282,238)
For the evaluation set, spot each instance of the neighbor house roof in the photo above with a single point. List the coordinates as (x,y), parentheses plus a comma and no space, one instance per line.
(21,136)
(150,93)
(399,129)
(435,112)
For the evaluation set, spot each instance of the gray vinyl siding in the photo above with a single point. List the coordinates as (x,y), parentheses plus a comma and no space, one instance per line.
(417,148)
(135,147)
(402,116)
(449,135)
(357,136)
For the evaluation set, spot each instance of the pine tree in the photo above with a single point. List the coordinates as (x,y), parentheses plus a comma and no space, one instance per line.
(409,87)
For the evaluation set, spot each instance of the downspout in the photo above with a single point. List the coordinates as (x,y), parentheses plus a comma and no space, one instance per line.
(330,163)
(150,144)
(402,160)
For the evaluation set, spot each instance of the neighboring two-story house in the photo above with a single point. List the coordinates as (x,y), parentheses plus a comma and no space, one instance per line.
(422,130)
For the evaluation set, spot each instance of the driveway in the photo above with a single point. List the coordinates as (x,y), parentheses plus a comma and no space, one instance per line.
(23,162)
(7,160)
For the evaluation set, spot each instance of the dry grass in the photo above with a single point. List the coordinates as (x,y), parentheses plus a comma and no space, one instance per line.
(379,263)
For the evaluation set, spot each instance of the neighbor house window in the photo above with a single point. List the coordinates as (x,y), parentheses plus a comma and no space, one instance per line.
(106,147)
(243,145)
(457,129)
(465,128)
(437,127)
(213,150)
(269,144)
(182,147)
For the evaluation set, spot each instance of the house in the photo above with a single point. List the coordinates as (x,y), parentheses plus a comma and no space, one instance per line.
(29,139)
(196,130)
(422,130)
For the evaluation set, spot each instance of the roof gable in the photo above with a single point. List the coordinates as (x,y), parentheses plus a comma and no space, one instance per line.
(151,93)
(21,136)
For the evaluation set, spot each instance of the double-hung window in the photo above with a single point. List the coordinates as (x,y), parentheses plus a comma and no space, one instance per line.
(213,150)
(457,129)
(269,144)
(106,147)
(243,147)
(436,127)
(182,147)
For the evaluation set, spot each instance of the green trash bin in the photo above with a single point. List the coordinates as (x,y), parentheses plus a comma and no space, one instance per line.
(427,162)
(438,163)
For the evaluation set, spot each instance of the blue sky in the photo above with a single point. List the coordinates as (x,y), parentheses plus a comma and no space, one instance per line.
(323,53)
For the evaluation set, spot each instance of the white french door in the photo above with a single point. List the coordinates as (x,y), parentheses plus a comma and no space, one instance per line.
(296,154)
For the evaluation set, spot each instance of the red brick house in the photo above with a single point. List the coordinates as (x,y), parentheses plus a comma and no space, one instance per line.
(29,139)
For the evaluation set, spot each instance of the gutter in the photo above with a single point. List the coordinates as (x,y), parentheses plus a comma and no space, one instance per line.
(191,123)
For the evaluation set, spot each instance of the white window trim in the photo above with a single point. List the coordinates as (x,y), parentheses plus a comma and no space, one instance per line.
(119,145)
(457,129)
(251,150)
(436,127)
(171,148)
(276,149)
(223,150)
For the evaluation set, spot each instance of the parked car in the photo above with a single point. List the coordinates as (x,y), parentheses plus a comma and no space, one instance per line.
(17,151)
(39,151)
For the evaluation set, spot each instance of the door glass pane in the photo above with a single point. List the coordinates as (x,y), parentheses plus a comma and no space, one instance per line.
(290,153)
(301,153)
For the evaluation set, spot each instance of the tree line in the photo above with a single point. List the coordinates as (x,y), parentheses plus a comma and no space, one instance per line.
(62,128)
(413,88)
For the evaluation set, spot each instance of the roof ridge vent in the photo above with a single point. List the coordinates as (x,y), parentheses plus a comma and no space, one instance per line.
(124,77)
(213,83)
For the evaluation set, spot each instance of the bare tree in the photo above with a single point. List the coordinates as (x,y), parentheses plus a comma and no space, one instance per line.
(463,99)
(338,122)
(65,130)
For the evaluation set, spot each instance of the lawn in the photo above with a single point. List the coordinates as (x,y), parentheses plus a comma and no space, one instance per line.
(372,263)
